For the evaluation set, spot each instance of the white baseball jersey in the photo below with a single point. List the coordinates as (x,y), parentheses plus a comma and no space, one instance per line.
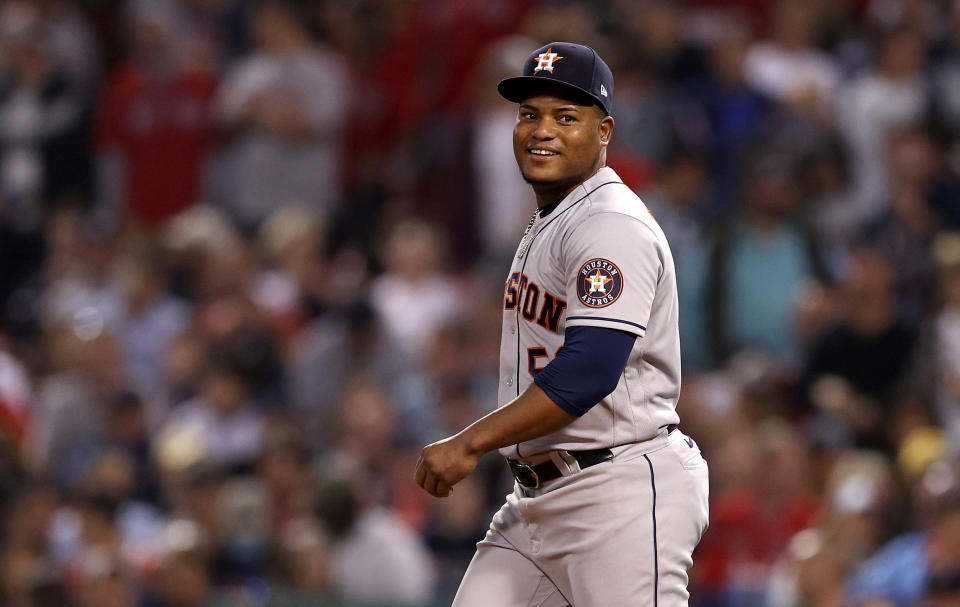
(598,259)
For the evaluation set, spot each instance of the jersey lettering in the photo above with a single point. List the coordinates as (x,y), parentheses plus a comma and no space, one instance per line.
(510,296)
(531,301)
(551,311)
(513,291)
(519,291)
(522,287)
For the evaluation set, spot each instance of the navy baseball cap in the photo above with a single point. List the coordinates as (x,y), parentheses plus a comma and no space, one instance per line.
(566,65)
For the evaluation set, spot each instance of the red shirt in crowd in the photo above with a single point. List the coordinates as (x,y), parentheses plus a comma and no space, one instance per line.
(746,537)
(162,129)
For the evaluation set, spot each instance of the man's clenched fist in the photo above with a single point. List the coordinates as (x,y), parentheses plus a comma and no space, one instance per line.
(443,464)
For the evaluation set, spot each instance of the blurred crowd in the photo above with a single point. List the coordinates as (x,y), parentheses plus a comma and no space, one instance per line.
(251,261)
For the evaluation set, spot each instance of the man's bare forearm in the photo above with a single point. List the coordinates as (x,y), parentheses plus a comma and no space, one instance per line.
(445,463)
(529,416)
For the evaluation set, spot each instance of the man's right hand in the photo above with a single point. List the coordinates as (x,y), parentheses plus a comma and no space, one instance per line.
(444,464)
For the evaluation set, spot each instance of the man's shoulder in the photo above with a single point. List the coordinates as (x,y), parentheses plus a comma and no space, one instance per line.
(607,208)
(620,200)
(620,206)
(605,192)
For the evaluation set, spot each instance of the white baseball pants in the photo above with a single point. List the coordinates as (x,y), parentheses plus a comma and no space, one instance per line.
(618,534)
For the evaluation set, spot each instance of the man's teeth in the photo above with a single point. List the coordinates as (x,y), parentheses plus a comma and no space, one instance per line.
(542,152)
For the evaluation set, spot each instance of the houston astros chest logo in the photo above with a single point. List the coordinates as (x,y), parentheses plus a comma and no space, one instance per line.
(599,283)
(545,61)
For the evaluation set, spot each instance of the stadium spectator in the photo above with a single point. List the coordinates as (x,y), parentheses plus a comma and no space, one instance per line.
(72,42)
(346,345)
(221,424)
(414,297)
(905,230)
(736,113)
(869,109)
(44,143)
(152,319)
(375,555)
(305,554)
(945,336)
(44,124)
(789,67)
(283,108)
(861,502)
(677,202)
(183,581)
(901,570)
(757,266)
(853,372)
(774,501)
(155,124)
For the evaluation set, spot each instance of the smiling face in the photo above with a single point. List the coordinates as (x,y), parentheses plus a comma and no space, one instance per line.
(559,143)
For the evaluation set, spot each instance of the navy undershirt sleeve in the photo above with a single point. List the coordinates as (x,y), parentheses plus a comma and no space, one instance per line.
(587,368)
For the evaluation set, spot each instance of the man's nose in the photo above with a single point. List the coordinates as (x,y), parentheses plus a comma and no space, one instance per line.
(546,129)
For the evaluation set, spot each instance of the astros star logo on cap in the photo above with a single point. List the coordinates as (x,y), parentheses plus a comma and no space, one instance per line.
(545,61)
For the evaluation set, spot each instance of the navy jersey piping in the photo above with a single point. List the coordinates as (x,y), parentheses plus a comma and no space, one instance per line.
(571,206)
(656,565)
(626,322)
(547,209)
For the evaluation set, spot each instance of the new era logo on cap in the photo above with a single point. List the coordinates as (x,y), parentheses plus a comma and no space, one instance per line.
(574,67)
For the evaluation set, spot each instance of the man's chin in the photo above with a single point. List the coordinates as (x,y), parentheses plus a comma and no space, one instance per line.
(539,181)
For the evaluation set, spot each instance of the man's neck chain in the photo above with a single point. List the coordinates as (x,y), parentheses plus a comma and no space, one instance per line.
(527,237)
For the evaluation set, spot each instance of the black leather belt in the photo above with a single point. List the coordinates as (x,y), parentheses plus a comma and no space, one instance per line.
(532,477)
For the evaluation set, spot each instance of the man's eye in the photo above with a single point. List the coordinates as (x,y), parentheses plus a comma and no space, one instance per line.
(567,118)
(527,115)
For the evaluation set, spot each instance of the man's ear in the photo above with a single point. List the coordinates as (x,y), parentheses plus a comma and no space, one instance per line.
(606,130)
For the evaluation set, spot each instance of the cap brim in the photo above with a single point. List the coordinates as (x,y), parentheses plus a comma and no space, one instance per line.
(519,88)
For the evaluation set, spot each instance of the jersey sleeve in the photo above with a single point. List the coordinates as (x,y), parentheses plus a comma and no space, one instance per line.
(586,369)
(612,263)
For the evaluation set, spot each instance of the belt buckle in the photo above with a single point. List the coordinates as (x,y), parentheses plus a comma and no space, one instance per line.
(525,474)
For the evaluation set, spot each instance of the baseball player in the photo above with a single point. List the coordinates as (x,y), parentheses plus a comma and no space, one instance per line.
(610,497)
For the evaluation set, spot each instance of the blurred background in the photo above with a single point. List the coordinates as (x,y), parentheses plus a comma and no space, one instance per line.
(252,256)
